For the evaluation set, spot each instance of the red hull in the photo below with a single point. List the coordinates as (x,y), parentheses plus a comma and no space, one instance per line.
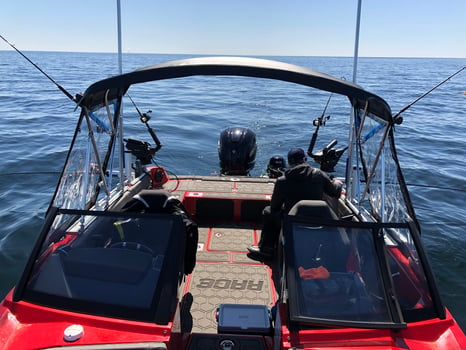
(28,326)
(432,334)
(22,323)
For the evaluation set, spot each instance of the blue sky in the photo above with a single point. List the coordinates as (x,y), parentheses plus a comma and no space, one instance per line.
(393,28)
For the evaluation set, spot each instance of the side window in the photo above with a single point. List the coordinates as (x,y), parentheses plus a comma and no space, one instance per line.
(408,275)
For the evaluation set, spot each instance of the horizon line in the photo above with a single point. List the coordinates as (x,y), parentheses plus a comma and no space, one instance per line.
(218,54)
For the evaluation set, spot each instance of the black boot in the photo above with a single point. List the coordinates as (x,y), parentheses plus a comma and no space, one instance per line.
(260,252)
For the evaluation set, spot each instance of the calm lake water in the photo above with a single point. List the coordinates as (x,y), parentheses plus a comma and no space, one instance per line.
(37,122)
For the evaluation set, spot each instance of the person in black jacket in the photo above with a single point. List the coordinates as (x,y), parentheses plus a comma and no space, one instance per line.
(301,181)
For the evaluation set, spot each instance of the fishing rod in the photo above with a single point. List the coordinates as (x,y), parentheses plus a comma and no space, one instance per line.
(446,188)
(141,149)
(396,117)
(31,173)
(437,187)
(61,88)
(145,117)
(327,157)
(318,122)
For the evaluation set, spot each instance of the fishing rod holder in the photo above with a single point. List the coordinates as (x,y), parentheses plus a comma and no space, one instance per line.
(142,150)
(329,157)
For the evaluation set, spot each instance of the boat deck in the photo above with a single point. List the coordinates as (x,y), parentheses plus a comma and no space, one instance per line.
(224,274)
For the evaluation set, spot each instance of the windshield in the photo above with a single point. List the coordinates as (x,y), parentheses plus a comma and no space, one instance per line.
(352,274)
(92,160)
(110,264)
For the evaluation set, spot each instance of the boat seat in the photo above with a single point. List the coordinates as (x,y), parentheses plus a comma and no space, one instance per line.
(313,209)
(329,245)
(157,201)
(153,201)
(320,210)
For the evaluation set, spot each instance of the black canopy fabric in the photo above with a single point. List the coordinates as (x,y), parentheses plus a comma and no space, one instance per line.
(113,87)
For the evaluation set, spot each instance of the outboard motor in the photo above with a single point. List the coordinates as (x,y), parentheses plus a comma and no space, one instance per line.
(237,151)
(276,167)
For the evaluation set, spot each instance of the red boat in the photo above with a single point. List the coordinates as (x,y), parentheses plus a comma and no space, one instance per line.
(131,256)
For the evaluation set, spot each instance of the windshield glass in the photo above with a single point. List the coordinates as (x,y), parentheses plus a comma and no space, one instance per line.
(112,264)
(350,274)
(336,277)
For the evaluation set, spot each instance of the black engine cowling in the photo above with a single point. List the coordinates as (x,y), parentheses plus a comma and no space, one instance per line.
(237,151)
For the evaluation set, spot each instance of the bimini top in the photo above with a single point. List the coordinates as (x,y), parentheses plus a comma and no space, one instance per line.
(113,87)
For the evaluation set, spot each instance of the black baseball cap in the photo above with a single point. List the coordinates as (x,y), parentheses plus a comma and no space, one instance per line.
(296,156)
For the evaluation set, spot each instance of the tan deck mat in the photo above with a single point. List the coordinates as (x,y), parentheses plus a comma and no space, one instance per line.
(231,239)
(214,284)
(224,274)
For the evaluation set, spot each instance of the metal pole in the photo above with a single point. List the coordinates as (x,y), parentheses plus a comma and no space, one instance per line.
(356,42)
(123,166)
(353,174)
(120,64)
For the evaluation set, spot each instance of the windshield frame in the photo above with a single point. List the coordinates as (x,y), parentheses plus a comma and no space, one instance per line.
(159,301)
(397,316)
